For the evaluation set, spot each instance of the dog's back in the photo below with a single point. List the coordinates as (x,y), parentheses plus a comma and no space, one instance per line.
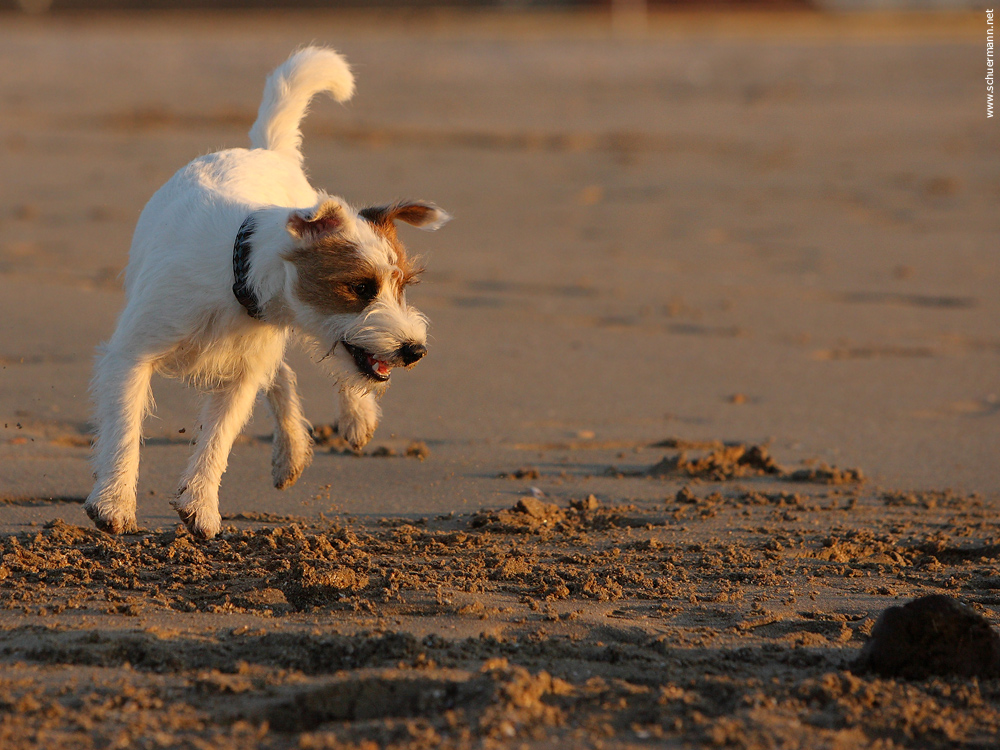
(190,221)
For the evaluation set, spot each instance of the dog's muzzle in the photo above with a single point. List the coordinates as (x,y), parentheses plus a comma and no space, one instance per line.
(379,369)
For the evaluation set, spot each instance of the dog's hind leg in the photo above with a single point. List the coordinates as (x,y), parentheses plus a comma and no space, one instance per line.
(225,412)
(293,450)
(121,389)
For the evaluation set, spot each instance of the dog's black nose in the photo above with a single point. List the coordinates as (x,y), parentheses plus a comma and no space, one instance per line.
(411,352)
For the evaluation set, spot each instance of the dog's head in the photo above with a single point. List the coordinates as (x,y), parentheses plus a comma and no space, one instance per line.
(348,286)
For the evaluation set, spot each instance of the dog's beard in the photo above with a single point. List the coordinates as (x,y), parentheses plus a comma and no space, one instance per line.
(381,329)
(359,351)
(343,368)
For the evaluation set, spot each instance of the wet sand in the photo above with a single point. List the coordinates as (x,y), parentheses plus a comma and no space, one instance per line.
(712,383)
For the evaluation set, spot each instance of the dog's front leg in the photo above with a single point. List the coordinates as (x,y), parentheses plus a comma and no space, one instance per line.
(292,451)
(225,413)
(121,389)
(359,415)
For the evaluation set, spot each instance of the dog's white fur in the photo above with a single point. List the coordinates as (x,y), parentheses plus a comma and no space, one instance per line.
(181,317)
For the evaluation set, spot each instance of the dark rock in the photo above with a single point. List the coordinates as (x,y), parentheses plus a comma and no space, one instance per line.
(933,635)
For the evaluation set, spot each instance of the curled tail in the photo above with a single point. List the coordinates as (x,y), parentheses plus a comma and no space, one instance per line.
(287,94)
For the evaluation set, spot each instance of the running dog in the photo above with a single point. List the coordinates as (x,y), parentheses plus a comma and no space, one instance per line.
(230,256)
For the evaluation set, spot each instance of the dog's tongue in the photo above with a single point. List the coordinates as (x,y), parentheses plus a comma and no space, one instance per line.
(378,365)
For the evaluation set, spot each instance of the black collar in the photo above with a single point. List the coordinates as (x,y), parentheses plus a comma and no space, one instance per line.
(241,269)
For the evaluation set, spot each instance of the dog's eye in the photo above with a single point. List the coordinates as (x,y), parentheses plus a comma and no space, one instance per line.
(367,289)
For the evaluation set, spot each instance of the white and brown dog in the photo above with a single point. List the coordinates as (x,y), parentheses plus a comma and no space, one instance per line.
(230,256)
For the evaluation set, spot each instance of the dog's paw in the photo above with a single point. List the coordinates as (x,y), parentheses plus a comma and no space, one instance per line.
(110,519)
(291,455)
(357,429)
(202,518)
(358,420)
(111,513)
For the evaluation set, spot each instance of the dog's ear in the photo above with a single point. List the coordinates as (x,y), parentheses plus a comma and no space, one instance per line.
(420,214)
(310,225)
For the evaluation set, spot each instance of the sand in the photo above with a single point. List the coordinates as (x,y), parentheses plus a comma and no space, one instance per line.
(711,385)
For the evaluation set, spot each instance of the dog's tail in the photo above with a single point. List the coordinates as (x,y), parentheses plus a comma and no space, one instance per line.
(288,92)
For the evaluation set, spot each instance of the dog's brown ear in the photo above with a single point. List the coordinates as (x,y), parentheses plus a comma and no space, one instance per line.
(311,225)
(420,214)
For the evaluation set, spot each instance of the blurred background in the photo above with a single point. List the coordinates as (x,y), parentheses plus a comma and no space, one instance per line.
(765,221)
(626,10)
(621,7)
(618,6)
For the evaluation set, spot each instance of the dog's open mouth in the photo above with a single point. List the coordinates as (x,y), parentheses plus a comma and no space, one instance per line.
(368,364)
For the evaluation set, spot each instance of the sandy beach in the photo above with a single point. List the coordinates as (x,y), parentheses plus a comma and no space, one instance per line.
(712,382)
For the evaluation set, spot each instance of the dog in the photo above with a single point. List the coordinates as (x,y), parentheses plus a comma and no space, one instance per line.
(231,256)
